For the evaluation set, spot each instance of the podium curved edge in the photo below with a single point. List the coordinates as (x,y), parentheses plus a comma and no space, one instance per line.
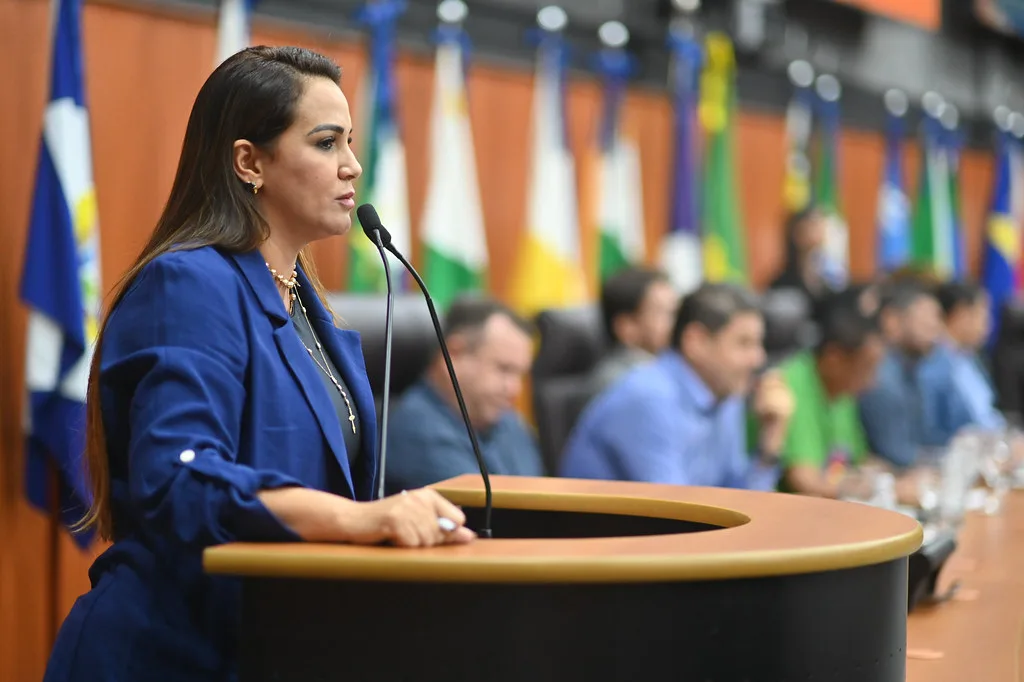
(451,565)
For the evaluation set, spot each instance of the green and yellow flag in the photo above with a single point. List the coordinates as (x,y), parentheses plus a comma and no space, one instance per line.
(724,239)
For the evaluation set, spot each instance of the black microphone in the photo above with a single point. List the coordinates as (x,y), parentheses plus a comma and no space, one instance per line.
(380,236)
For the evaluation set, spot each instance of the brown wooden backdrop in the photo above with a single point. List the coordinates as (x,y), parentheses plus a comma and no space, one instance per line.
(143,69)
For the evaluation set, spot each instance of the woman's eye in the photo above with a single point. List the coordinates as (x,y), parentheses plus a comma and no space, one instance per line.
(326,143)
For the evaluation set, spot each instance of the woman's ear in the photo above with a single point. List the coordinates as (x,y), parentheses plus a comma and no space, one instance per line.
(247,162)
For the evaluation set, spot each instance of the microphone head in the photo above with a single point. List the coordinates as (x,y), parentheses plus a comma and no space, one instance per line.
(370,222)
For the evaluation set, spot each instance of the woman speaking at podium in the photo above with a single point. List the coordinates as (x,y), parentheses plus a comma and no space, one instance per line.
(224,405)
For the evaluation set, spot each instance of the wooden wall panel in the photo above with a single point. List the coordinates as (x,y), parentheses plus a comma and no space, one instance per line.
(26,556)
(861,161)
(499,104)
(760,144)
(975,186)
(143,70)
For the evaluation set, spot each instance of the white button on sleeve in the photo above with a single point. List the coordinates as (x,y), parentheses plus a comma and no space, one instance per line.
(187,456)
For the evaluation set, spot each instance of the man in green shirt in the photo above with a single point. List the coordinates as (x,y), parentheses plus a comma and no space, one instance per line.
(825,441)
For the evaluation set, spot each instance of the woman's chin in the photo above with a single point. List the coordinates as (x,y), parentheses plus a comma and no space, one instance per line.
(336,228)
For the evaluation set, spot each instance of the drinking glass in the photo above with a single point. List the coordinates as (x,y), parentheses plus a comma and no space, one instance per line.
(996,468)
(928,472)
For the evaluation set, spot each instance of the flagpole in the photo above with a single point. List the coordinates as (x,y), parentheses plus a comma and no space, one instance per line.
(826,183)
(681,25)
(62,237)
(609,242)
(893,233)
(452,233)
(53,574)
(796,189)
(681,254)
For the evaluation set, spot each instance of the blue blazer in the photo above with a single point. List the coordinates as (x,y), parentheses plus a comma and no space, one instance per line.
(208,397)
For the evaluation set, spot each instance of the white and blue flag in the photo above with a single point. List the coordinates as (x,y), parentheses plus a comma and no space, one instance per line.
(234,26)
(60,283)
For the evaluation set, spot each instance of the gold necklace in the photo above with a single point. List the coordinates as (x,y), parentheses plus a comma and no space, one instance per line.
(325,366)
(292,284)
(289,283)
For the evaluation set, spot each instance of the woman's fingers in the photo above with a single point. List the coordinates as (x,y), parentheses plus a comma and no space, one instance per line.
(423,518)
(460,536)
(445,509)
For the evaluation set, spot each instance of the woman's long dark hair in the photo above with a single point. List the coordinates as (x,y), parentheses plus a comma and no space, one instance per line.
(251,96)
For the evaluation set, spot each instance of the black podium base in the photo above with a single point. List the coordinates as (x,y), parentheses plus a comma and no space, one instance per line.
(841,626)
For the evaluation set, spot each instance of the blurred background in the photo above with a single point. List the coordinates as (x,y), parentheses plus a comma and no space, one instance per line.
(598,133)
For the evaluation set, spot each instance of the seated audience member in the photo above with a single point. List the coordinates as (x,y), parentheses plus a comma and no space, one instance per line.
(491,350)
(865,296)
(967,314)
(825,442)
(680,419)
(638,306)
(913,402)
(802,270)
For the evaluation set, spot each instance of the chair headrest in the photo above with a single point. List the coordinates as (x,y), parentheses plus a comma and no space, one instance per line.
(571,341)
(413,342)
(1012,321)
(788,323)
(558,404)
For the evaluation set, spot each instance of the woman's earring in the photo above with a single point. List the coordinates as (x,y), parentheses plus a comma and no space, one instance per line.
(254,187)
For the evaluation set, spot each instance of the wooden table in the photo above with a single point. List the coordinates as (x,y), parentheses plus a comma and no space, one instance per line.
(980,638)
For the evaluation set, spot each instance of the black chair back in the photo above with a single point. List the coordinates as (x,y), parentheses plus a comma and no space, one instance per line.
(414,343)
(1008,359)
(788,323)
(571,343)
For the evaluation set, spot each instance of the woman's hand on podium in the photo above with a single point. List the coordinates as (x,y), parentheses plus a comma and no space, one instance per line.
(410,519)
(418,518)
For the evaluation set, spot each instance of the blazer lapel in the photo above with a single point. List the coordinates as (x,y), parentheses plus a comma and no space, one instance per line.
(344,347)
(255,271)
(296,357)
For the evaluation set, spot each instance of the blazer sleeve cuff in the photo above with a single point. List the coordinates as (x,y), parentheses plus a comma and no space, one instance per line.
(231,490)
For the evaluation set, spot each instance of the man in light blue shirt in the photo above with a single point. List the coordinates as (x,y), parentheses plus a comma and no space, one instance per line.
(915,403)
(968,321)
(681,419)
(638,307)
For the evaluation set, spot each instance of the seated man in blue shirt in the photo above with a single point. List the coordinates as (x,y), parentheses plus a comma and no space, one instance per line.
(638,307)
(967,314)
(681,418)
(914,401)
(491,351)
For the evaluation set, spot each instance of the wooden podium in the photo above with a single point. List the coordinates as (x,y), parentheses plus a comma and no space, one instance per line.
(591,580)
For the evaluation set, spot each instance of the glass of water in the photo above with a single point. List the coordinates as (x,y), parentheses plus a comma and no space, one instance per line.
(995,462)
(959,470)
(928,472)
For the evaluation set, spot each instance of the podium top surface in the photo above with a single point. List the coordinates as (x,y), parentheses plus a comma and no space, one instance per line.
(761,534)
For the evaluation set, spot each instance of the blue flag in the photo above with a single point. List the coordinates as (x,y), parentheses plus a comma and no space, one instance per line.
(60,283)
(1002,235)
(893,204)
